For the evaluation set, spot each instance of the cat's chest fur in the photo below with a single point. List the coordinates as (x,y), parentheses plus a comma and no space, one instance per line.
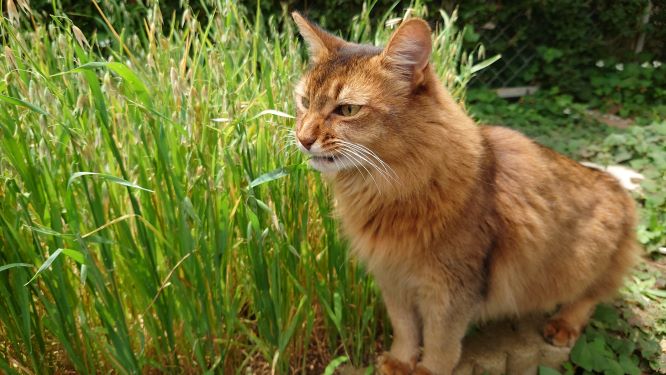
(395,224)
(399,232)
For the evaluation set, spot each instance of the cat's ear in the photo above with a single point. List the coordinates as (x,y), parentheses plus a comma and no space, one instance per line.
(409,48)
(320,43)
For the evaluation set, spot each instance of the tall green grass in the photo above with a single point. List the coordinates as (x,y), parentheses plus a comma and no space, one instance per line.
(153,216)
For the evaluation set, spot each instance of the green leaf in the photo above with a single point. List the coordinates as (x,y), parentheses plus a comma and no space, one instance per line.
(260,204)
(606,314)
(74,254)
(110,178)
(272,112)
(624,347)
(470,35)
(253,221)
(47,231)
(288,333)
(22,103)
(14,265)
(601,356)
(655,294)
(581,355)
(612,368)
(84,273)
(334,364)
(543,370)
(484,64)
(629,366)
(337,308)
(133,81)
(274,175)
(45,265)
(270,176)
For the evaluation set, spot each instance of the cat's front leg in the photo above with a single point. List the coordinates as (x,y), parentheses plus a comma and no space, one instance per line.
(401,308)
(445,322)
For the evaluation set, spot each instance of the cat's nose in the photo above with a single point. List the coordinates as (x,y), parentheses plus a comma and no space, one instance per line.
(307,142)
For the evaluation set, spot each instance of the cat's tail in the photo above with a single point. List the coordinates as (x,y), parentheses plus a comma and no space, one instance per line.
(628,178)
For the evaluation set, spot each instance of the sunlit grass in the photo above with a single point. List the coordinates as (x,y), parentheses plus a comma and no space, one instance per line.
(128,169)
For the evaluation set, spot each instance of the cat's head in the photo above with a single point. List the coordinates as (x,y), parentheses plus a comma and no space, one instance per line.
(355,103)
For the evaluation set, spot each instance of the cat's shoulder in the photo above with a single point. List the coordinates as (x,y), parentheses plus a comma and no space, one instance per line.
(508,144)
(499,135)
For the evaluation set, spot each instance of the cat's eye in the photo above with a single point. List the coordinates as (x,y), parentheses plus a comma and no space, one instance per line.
(347,109)
(305,102)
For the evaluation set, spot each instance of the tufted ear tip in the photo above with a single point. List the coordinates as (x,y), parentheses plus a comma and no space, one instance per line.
(410,47)
(297,17)
(320,43)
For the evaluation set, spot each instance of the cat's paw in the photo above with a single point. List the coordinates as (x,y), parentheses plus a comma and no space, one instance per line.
(560,333)
(420,370)
(388,365)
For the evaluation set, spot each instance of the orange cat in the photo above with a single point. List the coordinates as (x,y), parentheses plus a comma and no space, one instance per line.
(456,222)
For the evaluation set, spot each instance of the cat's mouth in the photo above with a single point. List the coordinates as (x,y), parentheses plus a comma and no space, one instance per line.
(323,159)
(327,163)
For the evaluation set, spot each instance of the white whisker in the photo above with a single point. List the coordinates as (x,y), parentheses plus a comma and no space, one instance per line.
(362,158)
(363,149)
(344,151)
(374,155)
(362,155)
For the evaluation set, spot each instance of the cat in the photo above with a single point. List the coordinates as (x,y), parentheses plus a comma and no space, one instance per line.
(456,222)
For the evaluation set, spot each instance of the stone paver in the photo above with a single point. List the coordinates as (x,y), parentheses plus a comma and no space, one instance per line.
(509,347)
(504,347)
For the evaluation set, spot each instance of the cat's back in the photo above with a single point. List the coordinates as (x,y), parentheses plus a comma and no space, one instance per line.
(559,223)
(529,172)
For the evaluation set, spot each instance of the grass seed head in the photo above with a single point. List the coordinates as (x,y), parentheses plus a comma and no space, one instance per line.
(12,13)
(25,5)
(80,38)
(11,60)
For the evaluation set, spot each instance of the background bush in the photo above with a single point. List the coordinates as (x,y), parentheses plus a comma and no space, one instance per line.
(567,38)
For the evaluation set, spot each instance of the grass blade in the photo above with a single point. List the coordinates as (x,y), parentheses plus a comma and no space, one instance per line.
(22,103)
(14,265)
(274,175)
(114,179)
(45,265)
(334,364)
